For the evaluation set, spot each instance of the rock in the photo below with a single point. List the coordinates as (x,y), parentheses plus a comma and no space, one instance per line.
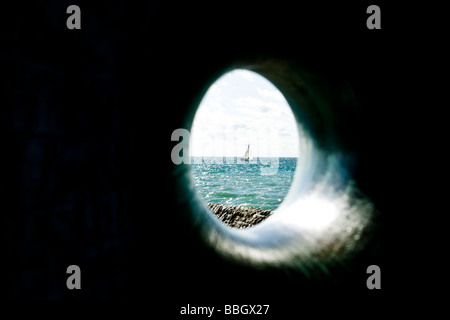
(239,217)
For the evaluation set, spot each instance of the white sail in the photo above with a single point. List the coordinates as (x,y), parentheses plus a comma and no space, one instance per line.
(247,154)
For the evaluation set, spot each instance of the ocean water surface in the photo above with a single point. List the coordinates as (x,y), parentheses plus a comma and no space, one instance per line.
(260,183)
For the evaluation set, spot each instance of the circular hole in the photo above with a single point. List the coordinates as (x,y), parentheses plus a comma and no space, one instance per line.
(324,219)
(244,147)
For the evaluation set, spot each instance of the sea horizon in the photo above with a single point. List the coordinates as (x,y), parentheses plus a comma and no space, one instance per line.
(261,182)
(232,159)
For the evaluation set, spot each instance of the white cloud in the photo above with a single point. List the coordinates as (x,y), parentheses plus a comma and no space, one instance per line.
(253,104)
(247,75)
(274,94)
(248,109)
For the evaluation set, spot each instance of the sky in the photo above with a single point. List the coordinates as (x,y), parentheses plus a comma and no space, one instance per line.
(243,108)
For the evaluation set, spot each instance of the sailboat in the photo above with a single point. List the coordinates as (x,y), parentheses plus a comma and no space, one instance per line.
(246,157)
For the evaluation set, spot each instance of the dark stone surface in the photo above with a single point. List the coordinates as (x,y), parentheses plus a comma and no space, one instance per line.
(238,216)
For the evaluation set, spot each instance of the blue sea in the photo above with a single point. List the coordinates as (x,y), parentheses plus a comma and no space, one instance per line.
(261,183)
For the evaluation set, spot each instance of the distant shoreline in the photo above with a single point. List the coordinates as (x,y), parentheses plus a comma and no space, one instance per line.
(265,157)
(236,160)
